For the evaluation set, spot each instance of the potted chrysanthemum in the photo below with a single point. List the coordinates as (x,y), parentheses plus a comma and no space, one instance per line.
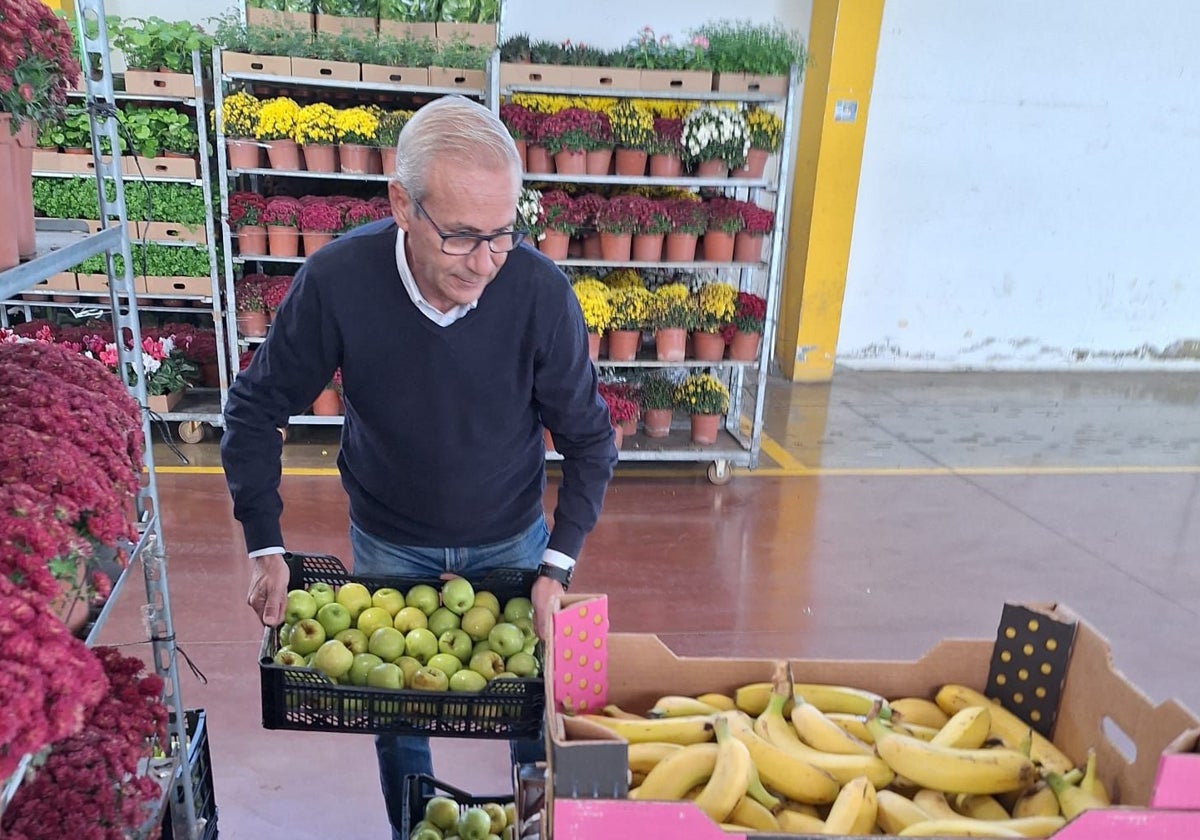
(672,314)
(651,224)
(276,128)
(633,133)
(724,221)
(631,307)
(689,220)
(560,220)
(666,149)
(657,395)
(757,222)
(319,221)
(316,130)
(715,140)
(239,114)
(245,220)
(748,322)
(706,399)
(716,304)
(597,311)
(766,136)
(248,303)
(355,129)
(387,135)
(281,216)
(616,222)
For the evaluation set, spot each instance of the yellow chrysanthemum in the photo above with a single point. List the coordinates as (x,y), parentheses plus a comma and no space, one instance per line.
(702,393)
(316,123)
(356,125)
(766,129)
(277,119)
(593,300)
(630,307)
(239,113)
(624,278)
(541,103)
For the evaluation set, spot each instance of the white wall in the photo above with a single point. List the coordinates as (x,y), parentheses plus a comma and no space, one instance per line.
(1030,194)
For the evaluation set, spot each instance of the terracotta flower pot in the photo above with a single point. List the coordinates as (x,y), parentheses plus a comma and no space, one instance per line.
(570,162)
(388,158)
(520,144)
(9,254)
(631,162)
(718,246)
(594,346)
(252,241)
(747,247)
(623,345)
(327,404)
(315,241)
(628,427)
(283,241)
(243,154)
(618,437)
(670,344)
(712,169)
(615,247)
(657,422)
(647,247)
(320,157)
(283,154)
(665,166)
(708,347)
(591,247)
(555,244)
(705,428)
(680,247)
(756,164)
(252,324)
(22,195)
(744,346)
(598,161)
(374,161)
(353,158)
(538,160)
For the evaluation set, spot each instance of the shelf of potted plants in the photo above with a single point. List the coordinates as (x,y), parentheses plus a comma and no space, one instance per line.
(648,181)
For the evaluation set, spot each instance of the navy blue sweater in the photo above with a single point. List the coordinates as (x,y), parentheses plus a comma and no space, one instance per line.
(442,442)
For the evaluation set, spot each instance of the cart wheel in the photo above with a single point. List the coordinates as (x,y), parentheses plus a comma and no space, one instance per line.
(192,431)
(720,473)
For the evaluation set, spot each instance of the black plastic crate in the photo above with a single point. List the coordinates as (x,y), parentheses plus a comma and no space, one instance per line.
(304,699)
(200,776)
(419,789)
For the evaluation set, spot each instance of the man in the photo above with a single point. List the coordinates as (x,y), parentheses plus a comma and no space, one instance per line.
(456,343)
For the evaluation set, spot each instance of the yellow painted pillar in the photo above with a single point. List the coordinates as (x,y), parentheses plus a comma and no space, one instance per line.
(843,41)
(64,7)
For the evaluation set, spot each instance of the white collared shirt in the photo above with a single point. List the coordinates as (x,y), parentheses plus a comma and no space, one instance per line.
(442,319)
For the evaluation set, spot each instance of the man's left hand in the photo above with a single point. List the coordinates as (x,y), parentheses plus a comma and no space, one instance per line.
(544,589)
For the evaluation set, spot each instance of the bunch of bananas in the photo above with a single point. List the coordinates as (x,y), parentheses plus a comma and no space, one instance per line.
(788,757)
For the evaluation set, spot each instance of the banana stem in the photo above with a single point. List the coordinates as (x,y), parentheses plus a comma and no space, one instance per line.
(781,679)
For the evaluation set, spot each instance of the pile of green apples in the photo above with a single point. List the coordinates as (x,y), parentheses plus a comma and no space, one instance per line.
(445,820)
(456,639)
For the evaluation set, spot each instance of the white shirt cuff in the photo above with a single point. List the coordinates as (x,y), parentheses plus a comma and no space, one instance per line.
(266,552)
(556,558)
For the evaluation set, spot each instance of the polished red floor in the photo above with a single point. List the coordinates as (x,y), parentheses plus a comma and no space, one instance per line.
(898,511)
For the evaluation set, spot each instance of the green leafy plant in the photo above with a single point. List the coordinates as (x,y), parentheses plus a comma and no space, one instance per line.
(176,132)
(648,52)
(405,52)
(458,11)
(656,392)
(155,44)
(66,198)
(348,8)
(70,132)
(739,46)
(547,52)
(515,49)
(461,55)
(409,11)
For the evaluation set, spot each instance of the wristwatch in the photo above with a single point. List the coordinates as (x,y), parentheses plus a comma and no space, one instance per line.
(561,575)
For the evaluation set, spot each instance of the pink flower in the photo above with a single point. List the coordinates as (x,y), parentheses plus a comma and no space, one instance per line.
(26,92)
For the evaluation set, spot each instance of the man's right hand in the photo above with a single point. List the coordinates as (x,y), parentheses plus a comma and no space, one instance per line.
(268,589)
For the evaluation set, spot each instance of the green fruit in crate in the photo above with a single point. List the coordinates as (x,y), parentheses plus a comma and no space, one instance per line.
(478,622)
(363,663)
(410,618)
(409,666)
(423,597)
(510,815)
(371,619)
(285,635)
(386,675)
(518,608)
(488,664)
(509,833)
(482,646)
(488,601)
(425,832)
(442,813)
(443,620)
(458,595)
(420,644)
(334,618)
(387,643)
(430,679)
(354,597)
(300,605)
(456,642)
(307,636)
(389,599)
(322,593)
(506,675)
(289,657)
(354,639)
(496,811)
(333,659)
(522,664)
(530,646)
(474,824)
(447,663)
(467,681)
(506,639)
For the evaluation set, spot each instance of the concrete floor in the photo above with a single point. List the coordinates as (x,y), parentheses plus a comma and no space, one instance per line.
(892,510)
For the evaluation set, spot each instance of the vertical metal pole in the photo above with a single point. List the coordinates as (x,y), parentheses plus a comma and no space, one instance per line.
(226,235)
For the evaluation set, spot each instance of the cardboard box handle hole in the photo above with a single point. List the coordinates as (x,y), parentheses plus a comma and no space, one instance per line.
(1119,739)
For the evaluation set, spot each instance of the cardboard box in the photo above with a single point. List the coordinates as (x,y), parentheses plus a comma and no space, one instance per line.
(750,83)
(690,81)
(313,68)
(167,232)
(83,164)
(280,20)
(264,65)
(448,77)
(378,74)
(415,31)
(173,286)
(589,771)
(335,25)
(92,282)
(45,161)
(539,75)
(159,84)
(161,167)
(605,78)
(478,34)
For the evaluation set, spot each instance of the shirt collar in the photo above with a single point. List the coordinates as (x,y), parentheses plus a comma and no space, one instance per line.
(443,319)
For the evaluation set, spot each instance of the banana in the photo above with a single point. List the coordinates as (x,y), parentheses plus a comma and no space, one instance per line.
(760,794)
(1090,783)
(695,729)
(920,711)
(634,793)
(674,705)
(802,808)
(679,772)
(838,698)
(854,810)
(933,802)
(980,806)
(1038,801)
(797,822)
(780,770)
(855,725)
(1005,725)
(636,779)
(643,757)
(731,776)
(772,728)
(612,710)
(961,827)
(718,701)
(1035,826)
(966,730)
(820,733)
(1072,801)
(916,730)
(896,812)
(1073,776)
(752,698)
(749,813)
(950,769)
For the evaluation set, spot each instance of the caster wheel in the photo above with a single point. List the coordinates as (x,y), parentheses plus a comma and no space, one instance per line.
(720,473)
(192,431)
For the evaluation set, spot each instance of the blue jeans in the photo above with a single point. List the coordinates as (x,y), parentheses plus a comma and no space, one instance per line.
(405,754)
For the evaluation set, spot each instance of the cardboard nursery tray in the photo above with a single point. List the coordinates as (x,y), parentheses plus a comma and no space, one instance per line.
(305,699)
(1148,754)
(419,789)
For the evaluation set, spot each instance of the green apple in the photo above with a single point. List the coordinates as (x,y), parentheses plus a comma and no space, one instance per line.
(425,832)
(478,622)
(447,663)
(505,675)
(458,595)
(289,657)
(443,620)
(322,593)
(526,625)
(389,599)
(386,675)
(423,597)
(510,832)
(333,659)
(467,681)
(307,636)
(354,597)
(530,646)
(489,601)
(506,639)
(420,644)
(474,824)
(487,664)
(387,643)
(482,646)
(334,618)
(285,634)
(410,618)
(496,811)
(361,666)
(354,639)
(430,679)
(409,666)
(510,814)
(442,812)
(371,619)
(516,608)
(522,664)
(300,605)
(456,642)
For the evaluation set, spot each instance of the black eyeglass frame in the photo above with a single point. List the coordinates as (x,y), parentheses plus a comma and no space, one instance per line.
(518,236)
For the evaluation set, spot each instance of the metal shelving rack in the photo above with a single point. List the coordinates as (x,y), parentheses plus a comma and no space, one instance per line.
(58,251)
(741,439)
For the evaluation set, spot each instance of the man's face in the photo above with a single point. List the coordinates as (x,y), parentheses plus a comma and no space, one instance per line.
(459,199)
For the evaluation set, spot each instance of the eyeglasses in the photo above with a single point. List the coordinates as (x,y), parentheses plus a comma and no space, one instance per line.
(462,244)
